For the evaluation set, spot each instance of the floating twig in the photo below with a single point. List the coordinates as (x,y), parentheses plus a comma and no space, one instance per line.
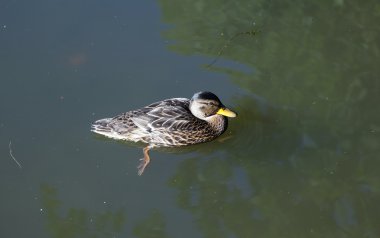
(228,42)
(10,153)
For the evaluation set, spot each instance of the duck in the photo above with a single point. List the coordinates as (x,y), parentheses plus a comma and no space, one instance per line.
(171,122)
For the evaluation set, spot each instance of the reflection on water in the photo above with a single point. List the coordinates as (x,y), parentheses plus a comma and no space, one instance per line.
(300,160)
(303,157)
(81,223)
(151,227)
(78,222)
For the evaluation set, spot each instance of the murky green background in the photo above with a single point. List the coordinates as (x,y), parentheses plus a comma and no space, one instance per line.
(301,160)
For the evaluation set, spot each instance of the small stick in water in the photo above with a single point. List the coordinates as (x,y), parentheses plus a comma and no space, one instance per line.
(228,42)
(10,152)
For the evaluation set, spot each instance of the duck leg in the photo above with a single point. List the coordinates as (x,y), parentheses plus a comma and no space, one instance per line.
(144,161)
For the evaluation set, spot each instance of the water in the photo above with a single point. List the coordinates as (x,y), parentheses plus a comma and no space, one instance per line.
(301,160)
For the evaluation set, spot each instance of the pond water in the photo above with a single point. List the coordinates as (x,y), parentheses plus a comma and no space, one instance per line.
(300,160)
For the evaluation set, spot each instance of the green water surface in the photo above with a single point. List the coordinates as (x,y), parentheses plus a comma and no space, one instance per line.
(300,160)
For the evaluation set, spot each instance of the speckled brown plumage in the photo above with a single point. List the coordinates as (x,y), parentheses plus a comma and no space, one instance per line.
(166,123)
(169,123)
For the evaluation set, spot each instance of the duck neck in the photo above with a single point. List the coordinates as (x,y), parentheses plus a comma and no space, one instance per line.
(218,123)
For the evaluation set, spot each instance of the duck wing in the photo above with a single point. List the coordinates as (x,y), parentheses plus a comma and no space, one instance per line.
(168,122)
(170,115)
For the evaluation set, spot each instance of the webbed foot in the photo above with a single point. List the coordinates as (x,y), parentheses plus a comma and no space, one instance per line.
(144,161)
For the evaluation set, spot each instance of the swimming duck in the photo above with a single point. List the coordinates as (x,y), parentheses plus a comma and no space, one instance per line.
(169,123)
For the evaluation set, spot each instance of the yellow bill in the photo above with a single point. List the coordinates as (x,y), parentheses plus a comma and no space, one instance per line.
(226,112)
